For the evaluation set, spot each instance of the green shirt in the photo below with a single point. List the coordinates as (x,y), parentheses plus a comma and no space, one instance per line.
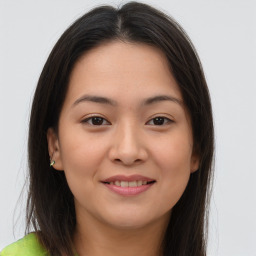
(27,246)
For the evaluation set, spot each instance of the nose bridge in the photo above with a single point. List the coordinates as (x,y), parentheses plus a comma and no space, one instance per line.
(128,135)
(127,145)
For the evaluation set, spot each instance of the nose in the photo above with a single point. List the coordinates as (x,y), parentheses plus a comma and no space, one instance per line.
(127,146)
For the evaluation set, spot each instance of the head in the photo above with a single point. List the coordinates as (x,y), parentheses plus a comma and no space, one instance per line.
(139,30)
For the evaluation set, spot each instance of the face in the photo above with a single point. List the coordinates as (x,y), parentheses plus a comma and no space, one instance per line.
(124,138)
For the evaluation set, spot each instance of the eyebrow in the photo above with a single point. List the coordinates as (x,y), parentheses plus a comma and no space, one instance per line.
(107,101)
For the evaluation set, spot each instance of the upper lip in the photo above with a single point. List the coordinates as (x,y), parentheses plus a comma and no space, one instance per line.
(127,178)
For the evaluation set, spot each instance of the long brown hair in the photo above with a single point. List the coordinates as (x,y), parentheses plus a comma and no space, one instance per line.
(50,205)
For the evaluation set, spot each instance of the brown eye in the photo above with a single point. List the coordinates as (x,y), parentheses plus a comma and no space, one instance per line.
(95,121)
(160,120)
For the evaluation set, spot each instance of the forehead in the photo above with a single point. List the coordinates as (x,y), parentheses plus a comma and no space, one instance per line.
(122,70)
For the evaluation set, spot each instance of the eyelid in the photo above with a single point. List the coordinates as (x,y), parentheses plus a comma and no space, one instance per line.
(164,117)
(159,116)
(90,118)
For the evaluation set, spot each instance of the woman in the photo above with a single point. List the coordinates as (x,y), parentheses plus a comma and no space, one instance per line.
(123,111)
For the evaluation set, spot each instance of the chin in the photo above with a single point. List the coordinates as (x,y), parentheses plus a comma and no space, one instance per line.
(134,220)
(128,224)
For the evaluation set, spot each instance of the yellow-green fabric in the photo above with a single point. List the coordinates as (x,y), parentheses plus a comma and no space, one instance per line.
(27,246)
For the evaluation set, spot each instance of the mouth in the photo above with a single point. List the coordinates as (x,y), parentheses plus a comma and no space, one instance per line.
(128,185)
(131,184)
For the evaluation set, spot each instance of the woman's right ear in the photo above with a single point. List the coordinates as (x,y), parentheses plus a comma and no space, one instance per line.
(54,150)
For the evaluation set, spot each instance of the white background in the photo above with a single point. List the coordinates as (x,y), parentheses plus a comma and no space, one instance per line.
(224,33)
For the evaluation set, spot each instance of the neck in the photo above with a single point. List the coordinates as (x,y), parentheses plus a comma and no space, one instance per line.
(93,238)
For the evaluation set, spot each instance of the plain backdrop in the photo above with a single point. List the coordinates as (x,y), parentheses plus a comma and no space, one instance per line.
(224,33)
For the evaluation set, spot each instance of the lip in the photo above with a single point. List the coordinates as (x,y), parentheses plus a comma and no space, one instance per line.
(128,191)
(127,178)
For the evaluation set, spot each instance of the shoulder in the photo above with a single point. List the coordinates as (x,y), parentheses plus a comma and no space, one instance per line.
(27,246)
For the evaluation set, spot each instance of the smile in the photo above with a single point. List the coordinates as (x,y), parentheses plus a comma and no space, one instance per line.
(128,185)
(124,184)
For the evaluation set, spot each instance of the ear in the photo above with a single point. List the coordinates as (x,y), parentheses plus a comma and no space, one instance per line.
(195,161)
(54,149)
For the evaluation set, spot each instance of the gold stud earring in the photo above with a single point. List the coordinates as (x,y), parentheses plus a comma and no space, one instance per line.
(52,162)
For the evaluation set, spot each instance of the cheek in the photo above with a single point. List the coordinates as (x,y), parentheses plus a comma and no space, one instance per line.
(78,148)
(174,161)
(80,162)
(80,156)
(174,153)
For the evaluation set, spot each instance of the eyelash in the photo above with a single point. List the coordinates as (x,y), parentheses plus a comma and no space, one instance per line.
(90,118)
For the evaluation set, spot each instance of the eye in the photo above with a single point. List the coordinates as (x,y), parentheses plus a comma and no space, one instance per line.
(99,121)
(96,121)
(160,121)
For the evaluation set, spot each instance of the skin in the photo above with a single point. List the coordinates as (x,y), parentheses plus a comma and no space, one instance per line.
(128,141)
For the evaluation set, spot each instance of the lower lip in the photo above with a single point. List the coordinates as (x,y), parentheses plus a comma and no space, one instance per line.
(128,191)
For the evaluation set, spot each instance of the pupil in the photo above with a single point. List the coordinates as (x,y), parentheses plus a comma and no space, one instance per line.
(158,120)
(97,120)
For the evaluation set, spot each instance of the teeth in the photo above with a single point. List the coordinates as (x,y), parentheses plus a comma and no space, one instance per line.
(118,183)
(124,184)
(132,184)
(139,182)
